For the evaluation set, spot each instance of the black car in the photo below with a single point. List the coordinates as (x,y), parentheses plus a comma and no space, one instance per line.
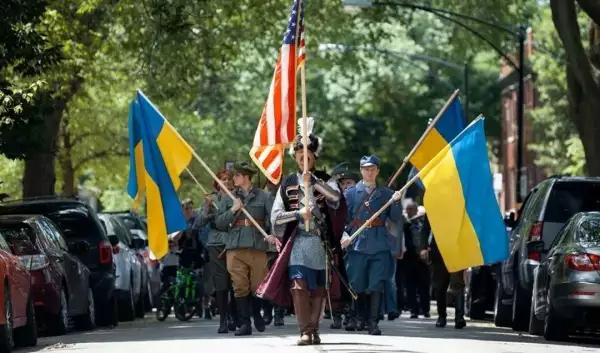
(60,284)
(86,239)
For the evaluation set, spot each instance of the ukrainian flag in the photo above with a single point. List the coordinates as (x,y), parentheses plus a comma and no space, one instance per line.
(157,156)
(448,126)
(461,204)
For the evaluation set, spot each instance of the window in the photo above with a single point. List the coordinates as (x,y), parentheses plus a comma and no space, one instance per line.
(588,231)
(569,198)
(55,234)
(3,245)
(19,239)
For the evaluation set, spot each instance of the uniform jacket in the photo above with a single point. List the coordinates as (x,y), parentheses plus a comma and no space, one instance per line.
(258,203)
(375,239)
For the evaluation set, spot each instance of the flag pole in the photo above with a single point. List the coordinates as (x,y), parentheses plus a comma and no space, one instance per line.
(202,188)
(429,128)
(304,130)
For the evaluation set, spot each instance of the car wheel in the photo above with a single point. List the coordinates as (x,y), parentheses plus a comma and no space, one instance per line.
(520,309)
(555,327)
(61,320)
(6,331)
(536,326)
(27,335)
(88,320)
(502,312)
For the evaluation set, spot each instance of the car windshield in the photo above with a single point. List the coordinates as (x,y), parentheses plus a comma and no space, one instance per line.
(19,238)
(589,231)
(569,198)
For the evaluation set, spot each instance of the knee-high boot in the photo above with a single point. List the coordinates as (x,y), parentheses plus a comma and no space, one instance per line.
(243,310)
(222,299)
(374,303)
(316,307)
(302,308)
(459,310)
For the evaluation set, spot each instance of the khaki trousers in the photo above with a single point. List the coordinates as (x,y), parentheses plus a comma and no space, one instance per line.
(247,268)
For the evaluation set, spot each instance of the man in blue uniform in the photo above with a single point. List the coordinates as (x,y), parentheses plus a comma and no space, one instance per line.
(369,257)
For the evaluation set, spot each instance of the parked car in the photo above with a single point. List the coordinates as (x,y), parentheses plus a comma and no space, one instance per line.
(566,289)
(86,239)
(17,318)
(130,282)
(139,234)
(545,211)
(60,284)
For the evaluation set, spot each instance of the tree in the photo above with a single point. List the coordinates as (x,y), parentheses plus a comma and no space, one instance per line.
(582,72)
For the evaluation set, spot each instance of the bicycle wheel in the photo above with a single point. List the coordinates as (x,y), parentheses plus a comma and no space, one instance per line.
(184,310)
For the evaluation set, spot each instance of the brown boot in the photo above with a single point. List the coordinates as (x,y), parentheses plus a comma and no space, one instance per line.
(301,301)
(316,308)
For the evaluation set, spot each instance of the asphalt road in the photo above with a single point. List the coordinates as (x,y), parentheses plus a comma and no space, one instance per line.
(401,335)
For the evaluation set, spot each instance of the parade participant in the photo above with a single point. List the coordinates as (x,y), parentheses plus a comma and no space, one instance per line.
(307,260)
(418,282)
(216,269)
(442,280)
(344,176)
(369,257)
(245,245)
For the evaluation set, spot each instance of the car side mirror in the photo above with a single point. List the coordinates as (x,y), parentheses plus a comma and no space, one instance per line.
(510,220)
(114,240)
(138,243)
(78,247)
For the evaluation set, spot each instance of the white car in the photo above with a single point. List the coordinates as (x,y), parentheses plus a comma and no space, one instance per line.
(129,282)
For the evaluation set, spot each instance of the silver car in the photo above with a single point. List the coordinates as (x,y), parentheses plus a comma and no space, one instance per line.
(128,283)
(566,290)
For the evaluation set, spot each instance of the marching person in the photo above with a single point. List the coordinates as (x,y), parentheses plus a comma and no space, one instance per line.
(246,247)
(417,274)
(325,211)
(216,269)
(442,281)
(369,258)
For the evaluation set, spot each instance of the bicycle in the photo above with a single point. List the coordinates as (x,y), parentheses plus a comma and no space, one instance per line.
(181,295)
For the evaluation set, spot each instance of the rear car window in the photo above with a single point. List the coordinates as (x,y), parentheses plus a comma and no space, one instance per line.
(569,198)
(588,232)
(19,238)
(75,224)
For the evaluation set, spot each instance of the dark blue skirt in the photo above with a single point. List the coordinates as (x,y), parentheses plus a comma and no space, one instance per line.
(313,278)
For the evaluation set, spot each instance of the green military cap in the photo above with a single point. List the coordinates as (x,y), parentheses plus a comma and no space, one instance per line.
(244,168)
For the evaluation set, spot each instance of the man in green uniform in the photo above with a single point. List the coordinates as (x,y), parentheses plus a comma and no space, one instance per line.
(246,247)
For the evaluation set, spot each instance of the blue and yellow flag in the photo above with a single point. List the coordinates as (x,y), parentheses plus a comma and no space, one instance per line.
(157,156)
(461,205)
(448,126)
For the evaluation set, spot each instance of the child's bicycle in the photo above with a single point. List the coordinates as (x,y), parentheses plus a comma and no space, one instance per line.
(181,295)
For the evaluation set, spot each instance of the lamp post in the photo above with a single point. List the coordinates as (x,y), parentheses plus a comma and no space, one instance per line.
(519,34)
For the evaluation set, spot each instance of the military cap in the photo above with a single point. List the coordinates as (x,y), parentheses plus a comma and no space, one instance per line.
(244,168)
(367,161)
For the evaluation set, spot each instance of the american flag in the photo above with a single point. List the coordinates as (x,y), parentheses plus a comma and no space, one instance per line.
(277,125)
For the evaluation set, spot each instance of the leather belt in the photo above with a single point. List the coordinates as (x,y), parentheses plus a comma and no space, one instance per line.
(377,222)
(247,223)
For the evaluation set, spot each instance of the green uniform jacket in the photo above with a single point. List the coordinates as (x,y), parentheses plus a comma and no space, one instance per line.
(259,204)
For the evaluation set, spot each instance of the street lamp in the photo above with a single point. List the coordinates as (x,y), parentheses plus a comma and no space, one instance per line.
(463,69)
(520,68)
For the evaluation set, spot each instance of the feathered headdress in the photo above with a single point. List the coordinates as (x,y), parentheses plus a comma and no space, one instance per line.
(315,143)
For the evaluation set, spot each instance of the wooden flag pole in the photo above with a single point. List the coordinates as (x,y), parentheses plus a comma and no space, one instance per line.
(202,188)
(429,127)
(224,187)
(304,131)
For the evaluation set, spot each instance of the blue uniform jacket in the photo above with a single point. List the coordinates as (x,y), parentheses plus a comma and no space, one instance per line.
(375,239)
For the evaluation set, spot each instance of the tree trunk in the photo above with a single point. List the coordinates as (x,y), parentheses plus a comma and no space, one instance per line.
(583,77)
(39,175)
(66,160)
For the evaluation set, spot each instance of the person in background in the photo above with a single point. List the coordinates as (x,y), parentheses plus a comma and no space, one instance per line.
(418,276)
(216,269)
